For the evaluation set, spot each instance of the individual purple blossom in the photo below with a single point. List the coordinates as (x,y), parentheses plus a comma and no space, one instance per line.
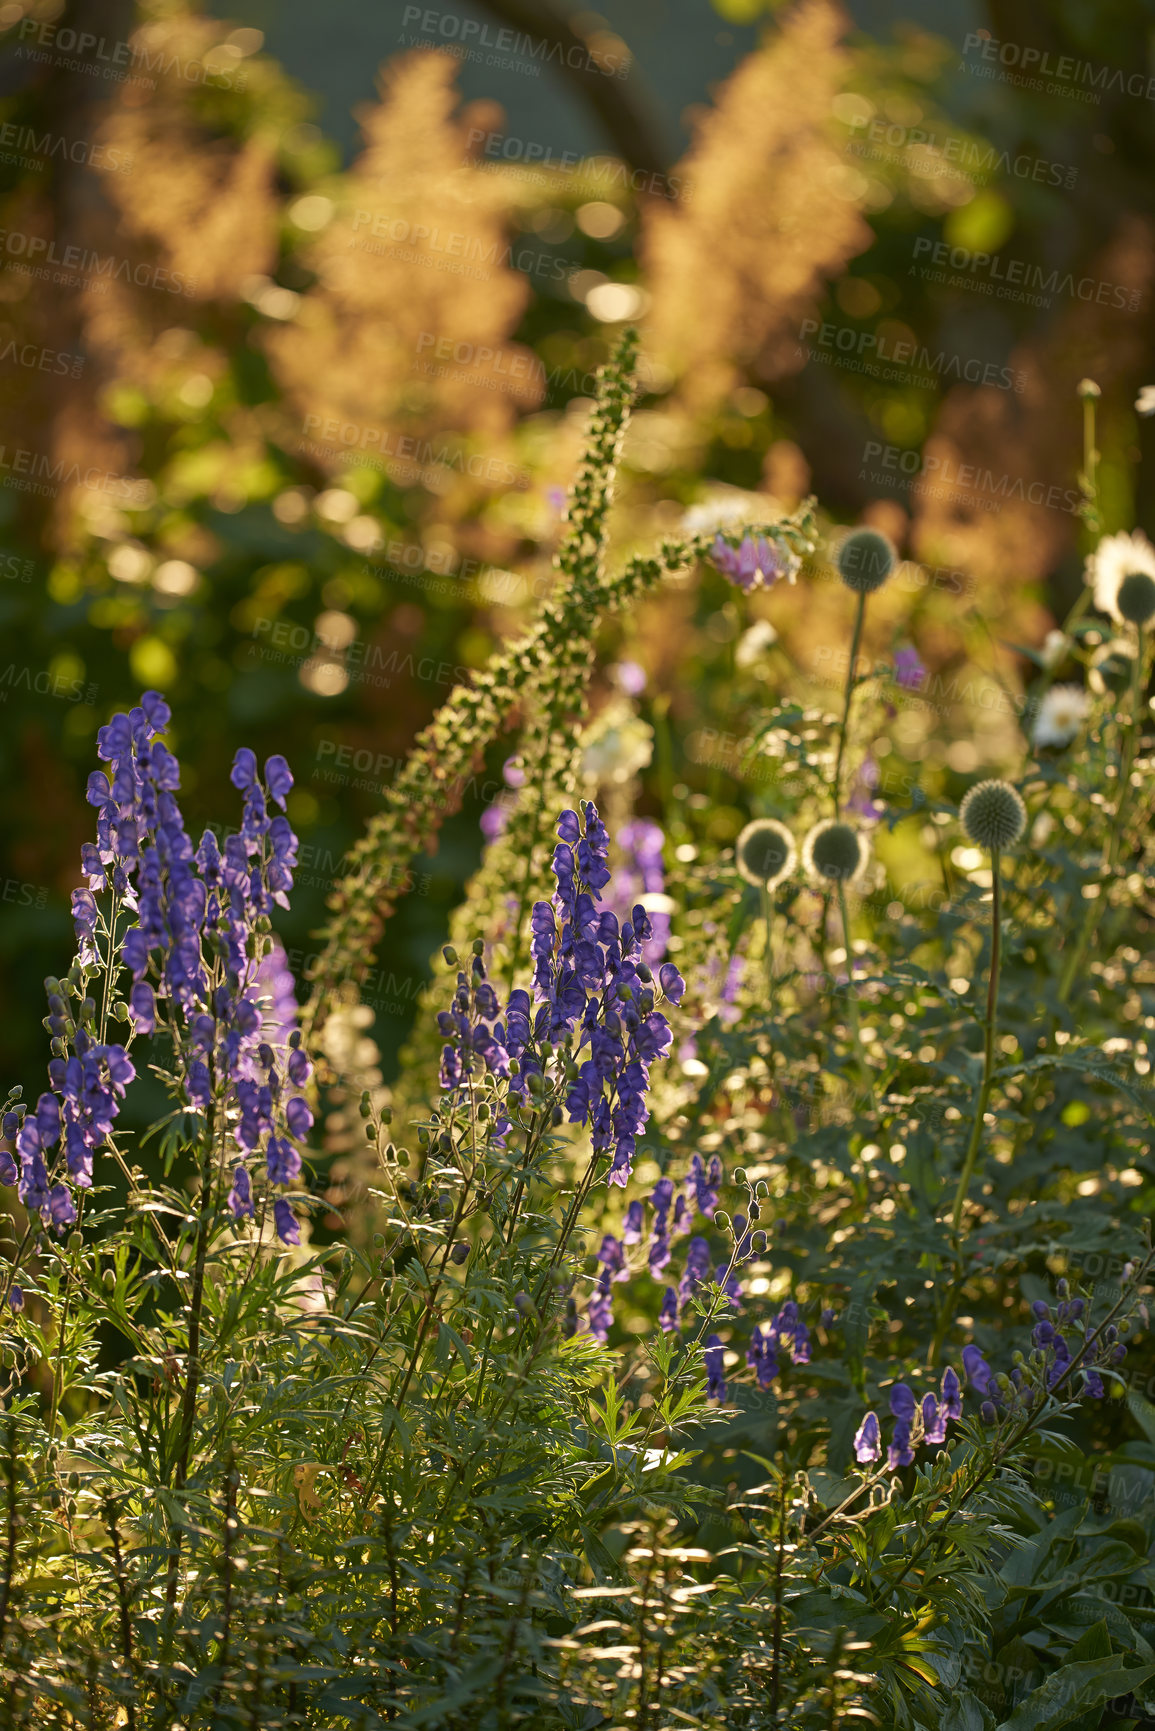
(909,671)
(600,1312)
(634,1221)
(712,1356)
(862,802)
(241,1194)
(753,562)
(934,1419)
(668,1314)
(288,1230)
(900,1453)
(868,1439)
(16,1299)
(951,1392)
(978,1371)
(630,677)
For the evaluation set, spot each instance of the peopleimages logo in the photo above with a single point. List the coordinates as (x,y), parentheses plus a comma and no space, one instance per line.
(1038,69)
(943,477)
(1031,280)
(470,34)
(884,356)
(950,153)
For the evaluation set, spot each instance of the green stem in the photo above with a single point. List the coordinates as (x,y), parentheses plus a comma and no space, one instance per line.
(850,987)
(1115,844)
(768,921)
(855,643)
(988,1049)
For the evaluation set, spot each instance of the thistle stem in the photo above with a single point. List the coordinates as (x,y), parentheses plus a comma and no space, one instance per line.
(768,922)
(984,1094)
(853,995)
(1114,846)
(855,644)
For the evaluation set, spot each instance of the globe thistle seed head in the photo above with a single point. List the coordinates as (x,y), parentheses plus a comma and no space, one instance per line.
(993,815)
(1136,598)
(1111,670)
(865,560)
(834,852)
(765,852)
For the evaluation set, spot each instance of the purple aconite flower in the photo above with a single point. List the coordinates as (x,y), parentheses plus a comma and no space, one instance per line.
(868,1439)
(712,1356)
(288,1231)
(934,1420)
(951,1394)
(197,956)
(978,1371)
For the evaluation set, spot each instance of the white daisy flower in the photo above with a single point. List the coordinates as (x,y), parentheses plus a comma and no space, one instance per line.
(1117,557)
(1145,401)
(1061,714)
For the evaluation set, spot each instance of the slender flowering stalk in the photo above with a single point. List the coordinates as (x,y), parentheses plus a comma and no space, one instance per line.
(865,561)
(994,816)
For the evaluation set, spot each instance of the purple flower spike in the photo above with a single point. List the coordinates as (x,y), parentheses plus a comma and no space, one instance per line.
(868,1440)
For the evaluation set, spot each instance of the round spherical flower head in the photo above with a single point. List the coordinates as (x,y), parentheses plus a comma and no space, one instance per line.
(835,853)
(1114,563)
(1136,598)
(765,852)
(1113,668)
(993,814)
(865,560)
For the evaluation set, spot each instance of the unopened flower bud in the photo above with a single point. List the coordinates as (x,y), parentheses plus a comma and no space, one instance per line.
(450,954)
(366,1107)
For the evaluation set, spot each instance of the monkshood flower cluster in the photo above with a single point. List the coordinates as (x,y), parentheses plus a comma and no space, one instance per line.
(1003,1395)
(195,951)
(593,990)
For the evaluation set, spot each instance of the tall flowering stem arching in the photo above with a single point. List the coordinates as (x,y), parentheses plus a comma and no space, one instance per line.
(547,671)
